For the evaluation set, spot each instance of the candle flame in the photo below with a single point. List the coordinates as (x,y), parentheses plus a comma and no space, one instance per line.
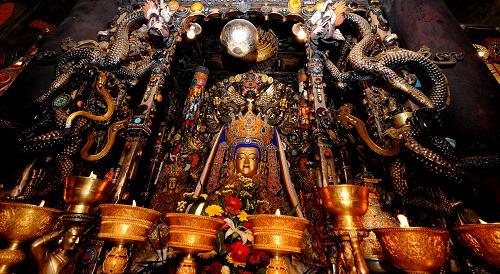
(42,203)
(134,203)
(191,34)
(199,209)
(403,221)
(482,222)
(92,175)
(278,212)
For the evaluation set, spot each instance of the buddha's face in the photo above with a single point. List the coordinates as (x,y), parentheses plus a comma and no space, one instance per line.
(70,239)
(246,161)
(171,184)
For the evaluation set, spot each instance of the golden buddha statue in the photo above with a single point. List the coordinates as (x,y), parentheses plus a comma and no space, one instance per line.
(57,252)
(248,148)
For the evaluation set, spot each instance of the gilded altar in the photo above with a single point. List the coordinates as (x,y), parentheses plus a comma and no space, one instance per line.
(245,137)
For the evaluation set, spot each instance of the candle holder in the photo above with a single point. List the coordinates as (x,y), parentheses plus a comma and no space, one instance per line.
(347,204)
(192,234)
(376,217)
(279,236)
(82,194)
(482,240)
(20,224)
(415,249)
(123,225)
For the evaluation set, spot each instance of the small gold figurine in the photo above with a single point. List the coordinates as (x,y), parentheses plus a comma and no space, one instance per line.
(60,257)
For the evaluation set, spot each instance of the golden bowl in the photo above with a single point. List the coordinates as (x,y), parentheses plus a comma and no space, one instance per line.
(192,233)
(83,193)
(415,249)
(278,235)
(347,203)
(25,222)
(11,257)
(482,239)
(126,224)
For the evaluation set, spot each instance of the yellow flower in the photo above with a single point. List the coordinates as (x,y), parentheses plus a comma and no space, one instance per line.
(225,270)
(214,210)
(231,261)
(207,255)
(249,235)
(243,216)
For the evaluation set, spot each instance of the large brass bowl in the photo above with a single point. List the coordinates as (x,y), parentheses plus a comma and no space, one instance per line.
(126,224)
(192,233)
(277,235)
(482,239)
(83,193)
(25,222)
(21,223)
(415,249)
(347,203)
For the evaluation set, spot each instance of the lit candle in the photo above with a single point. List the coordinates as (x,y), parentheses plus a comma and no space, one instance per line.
(191,34)
(42,203)
(278,212)
(301,34)
(199,209)
(403,221)
(482,222)
(92,175)
(134,203)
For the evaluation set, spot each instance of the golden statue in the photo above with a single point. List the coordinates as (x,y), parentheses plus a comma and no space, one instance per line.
(57,252)
(249,148)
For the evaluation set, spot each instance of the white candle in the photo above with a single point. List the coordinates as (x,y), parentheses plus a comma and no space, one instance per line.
(403,221)
(482,222)
(134,203)
(278,212)
(92,175)
(42,203)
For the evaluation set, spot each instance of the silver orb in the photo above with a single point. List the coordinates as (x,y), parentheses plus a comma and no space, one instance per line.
(239,37)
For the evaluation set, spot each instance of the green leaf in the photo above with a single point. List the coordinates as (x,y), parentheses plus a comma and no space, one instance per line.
(261,271)
(219,244)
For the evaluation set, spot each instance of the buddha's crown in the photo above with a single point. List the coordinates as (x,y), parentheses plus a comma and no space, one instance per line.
(249,129)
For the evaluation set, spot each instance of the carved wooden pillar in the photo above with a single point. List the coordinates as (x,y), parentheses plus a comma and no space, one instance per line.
(475,108)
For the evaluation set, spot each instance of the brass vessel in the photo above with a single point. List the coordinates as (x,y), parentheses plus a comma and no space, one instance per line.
(376,217)
(279,236)
(482,239)
(124,224)
(192,234)
(23,223)
(415,249)
(347,204)
(82,194)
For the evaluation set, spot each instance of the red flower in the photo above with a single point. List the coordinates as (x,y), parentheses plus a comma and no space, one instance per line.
(247,225)
(258,257)
(214,268)
(233,204)
(239,252)
(253,259)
